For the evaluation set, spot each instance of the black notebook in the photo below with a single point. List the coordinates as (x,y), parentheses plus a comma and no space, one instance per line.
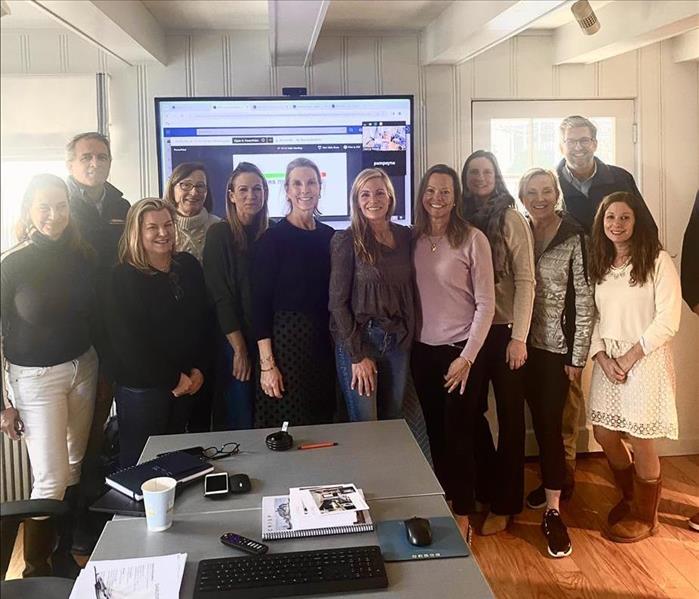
(181,466)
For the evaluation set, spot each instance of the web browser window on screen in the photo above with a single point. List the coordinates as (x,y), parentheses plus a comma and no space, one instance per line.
(341,135)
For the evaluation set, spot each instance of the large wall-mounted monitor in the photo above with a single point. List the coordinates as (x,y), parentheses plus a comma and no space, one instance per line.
(343,135)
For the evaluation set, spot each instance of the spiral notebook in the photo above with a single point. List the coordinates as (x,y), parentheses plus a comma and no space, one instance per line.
(181,466)
(282,521)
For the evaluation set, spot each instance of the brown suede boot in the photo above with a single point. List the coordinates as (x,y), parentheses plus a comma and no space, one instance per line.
(642,521)
(624,483)
(39,543)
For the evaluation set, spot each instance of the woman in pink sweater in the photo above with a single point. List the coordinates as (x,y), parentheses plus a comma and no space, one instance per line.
(454,273)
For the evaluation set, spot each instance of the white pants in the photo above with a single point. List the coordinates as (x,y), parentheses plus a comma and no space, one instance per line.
(56,404)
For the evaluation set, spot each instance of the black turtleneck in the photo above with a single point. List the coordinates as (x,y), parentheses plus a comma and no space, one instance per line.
(47,304)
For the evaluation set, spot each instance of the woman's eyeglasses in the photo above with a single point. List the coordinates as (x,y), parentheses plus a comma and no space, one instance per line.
(187,186)
(218,453)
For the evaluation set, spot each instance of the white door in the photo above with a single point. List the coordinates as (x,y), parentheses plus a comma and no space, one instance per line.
(524,133)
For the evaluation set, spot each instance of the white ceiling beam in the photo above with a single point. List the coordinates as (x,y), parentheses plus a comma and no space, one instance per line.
(294,26)
(126,29)
(465,29)
(625,26)
(686,46)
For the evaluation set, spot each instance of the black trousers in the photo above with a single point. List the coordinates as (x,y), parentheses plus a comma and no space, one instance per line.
(449,418)
(499,471)
(546,388)
(146,412)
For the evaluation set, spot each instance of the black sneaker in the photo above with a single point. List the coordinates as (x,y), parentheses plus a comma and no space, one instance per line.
(537,498)
(556,534)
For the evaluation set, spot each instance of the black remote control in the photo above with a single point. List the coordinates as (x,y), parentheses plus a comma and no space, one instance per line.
(243,543)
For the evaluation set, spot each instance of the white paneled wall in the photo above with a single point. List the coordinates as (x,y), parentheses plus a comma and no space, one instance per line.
(237,63)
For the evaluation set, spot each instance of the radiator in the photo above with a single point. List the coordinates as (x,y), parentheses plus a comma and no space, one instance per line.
(15,472)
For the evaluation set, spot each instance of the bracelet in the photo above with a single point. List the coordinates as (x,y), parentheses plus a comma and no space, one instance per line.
(468,362)
(272,367)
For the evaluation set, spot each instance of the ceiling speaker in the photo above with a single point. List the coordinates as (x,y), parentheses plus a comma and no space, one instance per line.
(585,16)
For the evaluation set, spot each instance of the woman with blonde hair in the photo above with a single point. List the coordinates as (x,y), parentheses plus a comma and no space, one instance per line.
(454,274)
(47,307)
(558,341)
(158,323)
(188,191)
(227,257)
(290,276)
(372,302)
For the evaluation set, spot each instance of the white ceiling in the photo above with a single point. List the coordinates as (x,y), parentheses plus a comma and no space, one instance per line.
(348,15)
(197,15)
(183,15)
(373,15)
(562,15)
(25,15)
(452,29)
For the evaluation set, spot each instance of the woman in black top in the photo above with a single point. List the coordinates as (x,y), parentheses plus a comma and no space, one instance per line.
(48,301)
(158,322)
(290,278)
(227,255)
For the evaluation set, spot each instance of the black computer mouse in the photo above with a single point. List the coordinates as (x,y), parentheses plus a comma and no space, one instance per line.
(419,531)
(239,483)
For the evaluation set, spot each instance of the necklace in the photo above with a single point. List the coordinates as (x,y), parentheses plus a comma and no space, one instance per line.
(434,243)
(618,272)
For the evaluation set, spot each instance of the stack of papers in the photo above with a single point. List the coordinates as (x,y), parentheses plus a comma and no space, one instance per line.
(138,578)
(315,511)
(327,503)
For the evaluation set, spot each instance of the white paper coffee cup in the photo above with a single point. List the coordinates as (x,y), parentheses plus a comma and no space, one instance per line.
(159,501)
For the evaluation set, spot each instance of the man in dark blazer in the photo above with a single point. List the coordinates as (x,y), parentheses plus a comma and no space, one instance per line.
(585,180)
(99,211)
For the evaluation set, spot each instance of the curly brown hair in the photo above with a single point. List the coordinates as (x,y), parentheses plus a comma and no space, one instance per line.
(644,242)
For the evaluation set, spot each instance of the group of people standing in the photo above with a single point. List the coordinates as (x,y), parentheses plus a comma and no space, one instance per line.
(182,307)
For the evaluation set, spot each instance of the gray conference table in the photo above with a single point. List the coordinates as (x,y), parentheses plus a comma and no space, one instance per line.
(380,457)
(198,536)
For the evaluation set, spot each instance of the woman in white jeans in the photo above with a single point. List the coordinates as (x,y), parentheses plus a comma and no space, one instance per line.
(47,305)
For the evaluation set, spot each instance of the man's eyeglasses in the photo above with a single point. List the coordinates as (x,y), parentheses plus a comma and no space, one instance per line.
(218,453)
(187,186)
(584,142)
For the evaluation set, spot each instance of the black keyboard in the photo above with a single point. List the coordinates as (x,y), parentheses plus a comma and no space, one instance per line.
(296,573)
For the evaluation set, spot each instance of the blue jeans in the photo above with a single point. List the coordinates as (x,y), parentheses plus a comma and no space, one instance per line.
(238,396)
(386,402)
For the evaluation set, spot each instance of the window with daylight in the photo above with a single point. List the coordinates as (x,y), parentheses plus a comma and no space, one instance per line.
(525,134)
(34,133)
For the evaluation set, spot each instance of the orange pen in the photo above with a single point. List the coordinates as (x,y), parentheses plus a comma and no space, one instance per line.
(318,445)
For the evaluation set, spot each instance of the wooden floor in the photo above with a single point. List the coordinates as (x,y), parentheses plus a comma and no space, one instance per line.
(517,566)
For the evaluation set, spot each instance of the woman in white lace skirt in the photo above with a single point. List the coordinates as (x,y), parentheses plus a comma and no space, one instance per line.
(638,301)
